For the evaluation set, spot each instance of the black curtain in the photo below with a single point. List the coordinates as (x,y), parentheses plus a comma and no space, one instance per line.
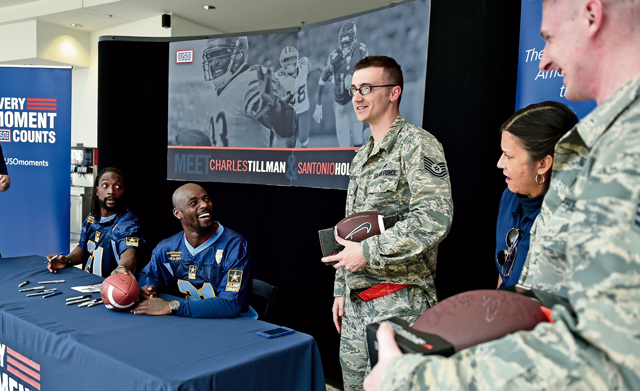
(470,91)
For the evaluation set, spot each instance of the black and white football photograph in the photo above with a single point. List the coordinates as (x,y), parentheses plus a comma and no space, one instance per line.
(290,89)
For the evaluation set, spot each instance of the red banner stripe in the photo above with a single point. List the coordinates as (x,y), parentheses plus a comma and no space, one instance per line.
(41,100)
(41,108)
(22,358)
(24,368)
(42,104)
(24,378)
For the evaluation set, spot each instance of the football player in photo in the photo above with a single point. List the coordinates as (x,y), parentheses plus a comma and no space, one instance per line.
(339,70)
(293,78)
(245,107)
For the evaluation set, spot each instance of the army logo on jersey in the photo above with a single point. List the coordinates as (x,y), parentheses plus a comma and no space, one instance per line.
(98,233)
(192,272)
(438,170)
(132,242)
(219,254)
(234,280)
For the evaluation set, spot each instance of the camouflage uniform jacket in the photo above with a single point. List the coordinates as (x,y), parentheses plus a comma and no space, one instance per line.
(404,174)
(586,248)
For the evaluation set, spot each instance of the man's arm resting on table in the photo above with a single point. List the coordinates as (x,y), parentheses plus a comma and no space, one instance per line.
(214,307)
(62,261)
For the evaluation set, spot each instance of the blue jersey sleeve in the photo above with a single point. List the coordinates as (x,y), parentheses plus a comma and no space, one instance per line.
(235,285)
(159,275)
(128,233)
(214,307)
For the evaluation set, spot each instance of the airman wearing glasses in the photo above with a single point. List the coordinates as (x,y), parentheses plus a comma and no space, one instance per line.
(528,138)
(400,170)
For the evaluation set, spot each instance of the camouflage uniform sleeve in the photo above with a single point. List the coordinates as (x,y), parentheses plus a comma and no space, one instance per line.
(339,284)
(598,349)
(430,209)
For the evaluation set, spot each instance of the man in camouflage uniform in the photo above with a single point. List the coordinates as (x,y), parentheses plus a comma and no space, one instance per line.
(586,244)
(401,171)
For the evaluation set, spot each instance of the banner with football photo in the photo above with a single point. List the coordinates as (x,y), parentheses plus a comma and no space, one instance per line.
(273,108)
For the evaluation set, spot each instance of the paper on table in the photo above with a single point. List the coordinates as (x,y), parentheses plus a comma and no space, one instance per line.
(87,288)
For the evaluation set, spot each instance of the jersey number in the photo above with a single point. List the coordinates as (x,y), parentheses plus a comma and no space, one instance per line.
(219,124)
(301,93)
(94,263)
(206,292)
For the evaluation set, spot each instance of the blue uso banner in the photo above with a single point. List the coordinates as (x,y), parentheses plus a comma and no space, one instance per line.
(35,134)
(533,85)
(273,108)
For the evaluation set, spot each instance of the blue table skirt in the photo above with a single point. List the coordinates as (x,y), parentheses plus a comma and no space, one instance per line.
(47,345)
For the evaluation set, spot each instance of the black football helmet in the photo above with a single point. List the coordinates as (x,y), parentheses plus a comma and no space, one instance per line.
(347,38)
(222,58)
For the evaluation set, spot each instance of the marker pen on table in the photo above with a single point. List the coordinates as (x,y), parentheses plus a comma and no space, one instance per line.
(54,257)
(78,297)
(51,294)
(23,284)
(35,288)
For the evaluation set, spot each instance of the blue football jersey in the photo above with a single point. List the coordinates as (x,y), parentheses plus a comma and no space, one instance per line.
(219,267)
(104,242)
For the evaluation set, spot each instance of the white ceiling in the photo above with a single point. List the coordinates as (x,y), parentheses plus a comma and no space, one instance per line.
(230,16)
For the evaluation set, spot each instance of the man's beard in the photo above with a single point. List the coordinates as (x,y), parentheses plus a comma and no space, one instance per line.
(103,205)
(202,230)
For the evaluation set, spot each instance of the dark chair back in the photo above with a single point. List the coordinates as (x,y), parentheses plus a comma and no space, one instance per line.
(264,298)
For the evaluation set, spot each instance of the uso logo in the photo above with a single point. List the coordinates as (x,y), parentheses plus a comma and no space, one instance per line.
(184,56)
(5,135)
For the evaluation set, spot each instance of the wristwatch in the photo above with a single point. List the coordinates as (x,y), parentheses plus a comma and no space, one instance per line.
(174,305)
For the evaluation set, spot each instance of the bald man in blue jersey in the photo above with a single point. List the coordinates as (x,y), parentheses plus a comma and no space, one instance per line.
(207,265)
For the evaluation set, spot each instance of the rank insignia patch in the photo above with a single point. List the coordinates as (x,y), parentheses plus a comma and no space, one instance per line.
(234,280)
(132,242)
(98,233)
(219,254)
(192,272)
(90,219)
(438,170)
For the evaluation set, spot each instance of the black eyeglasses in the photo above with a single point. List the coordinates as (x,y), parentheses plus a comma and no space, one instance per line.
(506,258)
(365,90)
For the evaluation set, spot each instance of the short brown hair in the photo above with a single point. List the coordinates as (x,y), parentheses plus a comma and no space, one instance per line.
(392,70)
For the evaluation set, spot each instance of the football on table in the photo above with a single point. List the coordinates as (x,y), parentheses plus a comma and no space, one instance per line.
(359,226)
(119,292)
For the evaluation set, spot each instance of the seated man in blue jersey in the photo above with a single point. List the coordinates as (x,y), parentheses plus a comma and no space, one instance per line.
(207,264)
(111,234)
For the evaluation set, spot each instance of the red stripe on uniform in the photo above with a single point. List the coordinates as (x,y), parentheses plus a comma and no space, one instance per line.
(380,290)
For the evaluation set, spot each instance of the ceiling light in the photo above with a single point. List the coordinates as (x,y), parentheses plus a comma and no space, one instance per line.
(76,25)
(209,7)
